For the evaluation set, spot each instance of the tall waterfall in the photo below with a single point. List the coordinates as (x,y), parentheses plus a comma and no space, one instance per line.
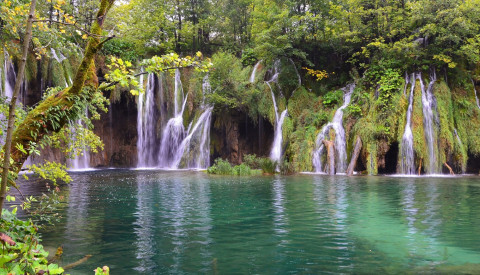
(146,140)
(340,142)
(177,147)
(276,151)
(407,159)
(429,106)
(476,96)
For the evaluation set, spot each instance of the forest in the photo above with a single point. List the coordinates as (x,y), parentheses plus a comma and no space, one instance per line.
(247,87)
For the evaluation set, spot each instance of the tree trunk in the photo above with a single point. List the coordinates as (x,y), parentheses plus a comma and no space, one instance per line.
(13,103)
(330,156)
(55,111)
(356,153)
(449,168)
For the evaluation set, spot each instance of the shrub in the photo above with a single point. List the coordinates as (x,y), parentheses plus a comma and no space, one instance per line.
(242,170)
(287,168)
(267,165)
(251,161)
(220,167)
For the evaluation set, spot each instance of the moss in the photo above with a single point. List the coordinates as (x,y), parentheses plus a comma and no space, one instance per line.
(445,111)
(419,143)
(372,161)
(302,143)
(467,119)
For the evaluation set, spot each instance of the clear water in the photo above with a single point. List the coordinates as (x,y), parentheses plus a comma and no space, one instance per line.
(183,222)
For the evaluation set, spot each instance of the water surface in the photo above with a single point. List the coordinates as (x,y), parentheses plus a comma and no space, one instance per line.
(157,222)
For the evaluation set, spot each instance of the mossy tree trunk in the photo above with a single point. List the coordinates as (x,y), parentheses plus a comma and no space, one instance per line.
(13,104)
(56,110)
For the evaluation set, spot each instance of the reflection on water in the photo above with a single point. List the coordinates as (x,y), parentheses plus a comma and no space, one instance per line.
(156,222)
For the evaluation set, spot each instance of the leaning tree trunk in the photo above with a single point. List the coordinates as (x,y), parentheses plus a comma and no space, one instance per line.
(356,153)
(13,104)
(330,156)
(56,110)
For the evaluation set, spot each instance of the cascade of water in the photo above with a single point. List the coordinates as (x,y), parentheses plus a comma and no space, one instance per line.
(202,128)
(428,102)
(206,88)
(146,140)
(340,142)
(174,132)
(82,161)
(476,97)
(276,151)
(407,160)
(464,165)
(254,72)
(10,76)
(55,56)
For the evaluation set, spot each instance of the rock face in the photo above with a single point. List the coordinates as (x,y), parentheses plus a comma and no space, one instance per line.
(118,130)
(235,134)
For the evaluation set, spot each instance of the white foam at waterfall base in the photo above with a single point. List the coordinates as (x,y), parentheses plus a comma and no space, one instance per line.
(340,143)
(407,160)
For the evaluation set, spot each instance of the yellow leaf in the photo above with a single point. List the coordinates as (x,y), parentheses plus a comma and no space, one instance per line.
(84,36)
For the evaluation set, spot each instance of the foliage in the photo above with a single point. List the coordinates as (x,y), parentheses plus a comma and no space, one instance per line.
(318,74)
(220,167)
(223,167)
(105,270)
(332,98)
(21,251)
(267,165)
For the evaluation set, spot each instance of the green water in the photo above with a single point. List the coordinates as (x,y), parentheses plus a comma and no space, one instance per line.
(154,222)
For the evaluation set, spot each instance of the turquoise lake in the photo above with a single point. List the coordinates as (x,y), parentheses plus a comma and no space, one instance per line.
(186,222)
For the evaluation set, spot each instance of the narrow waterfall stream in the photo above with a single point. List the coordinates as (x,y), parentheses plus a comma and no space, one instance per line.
(407,158)
(340,142)
(429,110)
(254,72)
(476,96)
(145,124)
(276,151)
(10,76)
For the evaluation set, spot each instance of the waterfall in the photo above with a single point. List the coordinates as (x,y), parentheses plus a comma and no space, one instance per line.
(146,140)
(174,132)
(407,160)
(464,164)
(254,72)
(476,97)
(276,151)
(10,76)
(82,161)
(340,142)
(202,127)
(55,56)
(176,143)
(429,104)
